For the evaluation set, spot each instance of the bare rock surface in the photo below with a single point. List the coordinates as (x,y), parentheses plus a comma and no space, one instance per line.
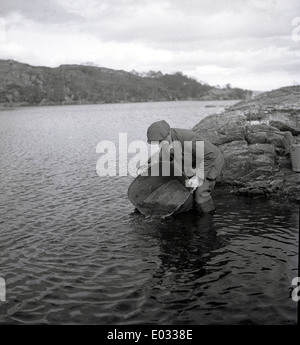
(256,137)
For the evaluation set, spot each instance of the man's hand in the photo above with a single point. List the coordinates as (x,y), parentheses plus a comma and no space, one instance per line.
(153,161)
(194,182)
(143,169)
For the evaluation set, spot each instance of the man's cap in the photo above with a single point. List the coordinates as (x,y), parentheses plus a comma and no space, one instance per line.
(158,131)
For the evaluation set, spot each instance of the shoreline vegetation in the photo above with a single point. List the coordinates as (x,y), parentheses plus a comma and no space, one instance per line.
(22,84)
(7,107)
(13,106)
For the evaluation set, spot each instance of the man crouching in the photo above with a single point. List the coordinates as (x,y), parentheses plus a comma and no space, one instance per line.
(203,166)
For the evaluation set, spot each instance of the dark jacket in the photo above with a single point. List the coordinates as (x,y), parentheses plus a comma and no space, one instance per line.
(213,158)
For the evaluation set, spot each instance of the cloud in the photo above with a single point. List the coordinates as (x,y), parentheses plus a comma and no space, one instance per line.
(46,11)
(237,42)
(181,21)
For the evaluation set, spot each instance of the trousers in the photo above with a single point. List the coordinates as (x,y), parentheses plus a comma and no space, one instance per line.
(203,197)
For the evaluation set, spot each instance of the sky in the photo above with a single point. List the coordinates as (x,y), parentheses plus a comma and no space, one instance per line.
(252,44)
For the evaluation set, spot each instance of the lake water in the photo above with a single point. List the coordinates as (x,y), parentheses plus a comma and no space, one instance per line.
(73,251)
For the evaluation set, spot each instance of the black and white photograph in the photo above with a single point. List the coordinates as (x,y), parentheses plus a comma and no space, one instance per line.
(149,165)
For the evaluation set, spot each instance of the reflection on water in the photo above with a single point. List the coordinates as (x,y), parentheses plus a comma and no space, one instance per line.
(234,267)
(73,251)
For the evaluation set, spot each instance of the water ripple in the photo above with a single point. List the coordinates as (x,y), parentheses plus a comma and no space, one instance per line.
(73,251)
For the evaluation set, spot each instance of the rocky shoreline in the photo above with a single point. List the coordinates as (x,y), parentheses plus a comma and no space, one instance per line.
(255,137)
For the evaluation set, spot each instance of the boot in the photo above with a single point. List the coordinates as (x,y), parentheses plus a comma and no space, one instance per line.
(207,207)
(197,207)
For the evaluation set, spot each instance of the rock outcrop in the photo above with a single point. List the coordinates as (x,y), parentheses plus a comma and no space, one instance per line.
(255,137)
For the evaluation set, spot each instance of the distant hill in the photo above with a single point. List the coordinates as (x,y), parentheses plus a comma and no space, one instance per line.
(280,99)
(22,84)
